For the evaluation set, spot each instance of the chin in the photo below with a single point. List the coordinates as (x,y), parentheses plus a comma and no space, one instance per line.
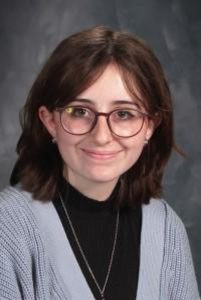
(102,177)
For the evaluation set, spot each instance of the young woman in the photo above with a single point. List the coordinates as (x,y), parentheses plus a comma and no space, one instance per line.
(83,218)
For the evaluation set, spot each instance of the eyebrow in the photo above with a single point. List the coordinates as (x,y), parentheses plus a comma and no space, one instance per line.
(115,102)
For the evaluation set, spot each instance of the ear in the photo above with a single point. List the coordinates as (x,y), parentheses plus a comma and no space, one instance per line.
(48,120)
(150,129)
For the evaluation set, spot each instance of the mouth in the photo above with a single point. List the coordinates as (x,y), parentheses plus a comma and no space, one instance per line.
(100,155)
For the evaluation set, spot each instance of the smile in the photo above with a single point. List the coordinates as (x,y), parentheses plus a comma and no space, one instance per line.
(100,155)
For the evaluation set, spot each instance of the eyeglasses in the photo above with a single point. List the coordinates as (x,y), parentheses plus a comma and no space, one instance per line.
(79,120)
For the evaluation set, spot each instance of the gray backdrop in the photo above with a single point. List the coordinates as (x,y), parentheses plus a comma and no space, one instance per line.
(29,30)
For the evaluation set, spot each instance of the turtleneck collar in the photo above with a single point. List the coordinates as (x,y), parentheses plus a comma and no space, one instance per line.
(76,200)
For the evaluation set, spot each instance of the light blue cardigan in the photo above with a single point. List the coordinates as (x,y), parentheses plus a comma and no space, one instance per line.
(37,262)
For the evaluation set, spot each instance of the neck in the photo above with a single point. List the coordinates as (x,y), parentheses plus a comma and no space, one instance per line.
(97,190)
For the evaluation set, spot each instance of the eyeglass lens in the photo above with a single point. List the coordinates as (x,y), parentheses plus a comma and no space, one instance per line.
(122,122)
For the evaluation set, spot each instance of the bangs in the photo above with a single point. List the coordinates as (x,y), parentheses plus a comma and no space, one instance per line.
(83,78)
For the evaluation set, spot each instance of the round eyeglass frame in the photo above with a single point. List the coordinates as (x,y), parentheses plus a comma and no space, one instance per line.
(97,114)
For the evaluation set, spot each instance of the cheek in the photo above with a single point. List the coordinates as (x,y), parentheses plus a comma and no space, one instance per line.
(66,144)
(136,142)
(134,152)
(133,149)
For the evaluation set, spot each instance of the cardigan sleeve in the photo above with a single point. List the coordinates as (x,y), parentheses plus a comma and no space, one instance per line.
(14,276)
(22,258)
(178,280)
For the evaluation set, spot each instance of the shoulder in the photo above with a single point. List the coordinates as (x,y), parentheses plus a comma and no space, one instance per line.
(159,209)
(18,223)
(174,233)
(15,204)
(20,234)
(24,265)
(13,197)
(23,217)
(19,208)
(161,221)
(163,230)
(166,231)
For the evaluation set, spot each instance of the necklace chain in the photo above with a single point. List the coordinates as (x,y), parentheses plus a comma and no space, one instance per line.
(101,290)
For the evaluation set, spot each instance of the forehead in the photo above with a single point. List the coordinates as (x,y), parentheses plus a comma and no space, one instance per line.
(109,87)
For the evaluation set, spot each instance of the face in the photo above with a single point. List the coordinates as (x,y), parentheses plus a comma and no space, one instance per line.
(98,157)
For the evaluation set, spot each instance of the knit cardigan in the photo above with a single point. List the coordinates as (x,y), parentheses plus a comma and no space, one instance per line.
(37,262)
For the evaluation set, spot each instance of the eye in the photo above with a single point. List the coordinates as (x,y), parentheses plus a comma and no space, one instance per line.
(125,114)
(78,112)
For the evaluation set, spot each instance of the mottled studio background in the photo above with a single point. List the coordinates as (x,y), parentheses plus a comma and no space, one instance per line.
(30,29)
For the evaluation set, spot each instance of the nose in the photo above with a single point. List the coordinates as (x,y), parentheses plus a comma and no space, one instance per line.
(101,132)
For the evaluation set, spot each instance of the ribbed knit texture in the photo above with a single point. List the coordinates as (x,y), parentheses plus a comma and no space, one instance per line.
(33,249)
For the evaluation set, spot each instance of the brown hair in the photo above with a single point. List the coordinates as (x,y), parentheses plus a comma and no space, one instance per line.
(73,66)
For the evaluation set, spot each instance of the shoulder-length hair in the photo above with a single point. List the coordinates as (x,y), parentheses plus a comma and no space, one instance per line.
(74,65)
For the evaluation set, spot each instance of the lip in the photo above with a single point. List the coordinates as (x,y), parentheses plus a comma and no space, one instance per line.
(101,155)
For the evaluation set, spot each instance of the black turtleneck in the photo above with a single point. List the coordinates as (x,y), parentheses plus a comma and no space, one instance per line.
(94,223)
